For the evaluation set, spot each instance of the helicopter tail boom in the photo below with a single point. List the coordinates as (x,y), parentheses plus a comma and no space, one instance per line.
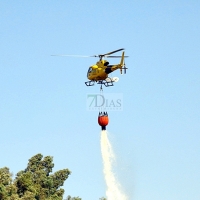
(120,66)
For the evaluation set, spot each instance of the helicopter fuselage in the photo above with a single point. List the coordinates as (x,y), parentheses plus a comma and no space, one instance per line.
(97,72)
(100,70)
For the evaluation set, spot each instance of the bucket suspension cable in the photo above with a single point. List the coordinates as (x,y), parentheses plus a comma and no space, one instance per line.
(101,107)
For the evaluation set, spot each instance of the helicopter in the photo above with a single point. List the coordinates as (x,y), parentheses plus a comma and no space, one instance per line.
(98,73)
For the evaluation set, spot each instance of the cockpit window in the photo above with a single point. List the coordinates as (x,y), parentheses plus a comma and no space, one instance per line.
(106,63)
(89,70)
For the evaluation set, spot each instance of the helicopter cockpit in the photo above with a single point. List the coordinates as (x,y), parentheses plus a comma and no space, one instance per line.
(89,70)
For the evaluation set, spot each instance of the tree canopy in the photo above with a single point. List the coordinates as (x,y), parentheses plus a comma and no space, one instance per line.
(35,182)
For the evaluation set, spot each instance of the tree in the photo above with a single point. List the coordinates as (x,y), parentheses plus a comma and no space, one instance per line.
(36,182)
(6,188)
(73,198)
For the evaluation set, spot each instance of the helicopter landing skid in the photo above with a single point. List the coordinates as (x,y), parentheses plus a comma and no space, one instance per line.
(89,83)
(106,83)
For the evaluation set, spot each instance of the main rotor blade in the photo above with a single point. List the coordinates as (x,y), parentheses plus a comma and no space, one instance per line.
(113,52)
(73,56)
(102,55)
(115,56)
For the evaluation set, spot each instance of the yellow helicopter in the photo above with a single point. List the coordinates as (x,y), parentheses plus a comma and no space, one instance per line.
(99,72)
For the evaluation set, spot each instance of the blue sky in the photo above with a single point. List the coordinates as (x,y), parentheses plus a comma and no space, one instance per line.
(43,98)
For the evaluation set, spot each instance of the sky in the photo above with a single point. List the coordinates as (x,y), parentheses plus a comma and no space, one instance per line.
(43,98)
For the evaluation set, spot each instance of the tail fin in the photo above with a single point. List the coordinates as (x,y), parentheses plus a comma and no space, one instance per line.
(122,62)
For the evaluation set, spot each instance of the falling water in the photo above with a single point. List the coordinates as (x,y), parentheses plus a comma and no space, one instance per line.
(113,187)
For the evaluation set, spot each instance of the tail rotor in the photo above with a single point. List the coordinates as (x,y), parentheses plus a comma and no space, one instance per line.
(123,68)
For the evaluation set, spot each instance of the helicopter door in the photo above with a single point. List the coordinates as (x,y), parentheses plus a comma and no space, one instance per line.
(94,71)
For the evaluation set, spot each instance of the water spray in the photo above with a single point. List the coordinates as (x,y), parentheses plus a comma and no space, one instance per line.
(114,191)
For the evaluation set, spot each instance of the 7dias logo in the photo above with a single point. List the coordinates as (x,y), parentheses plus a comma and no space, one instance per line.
(108,101)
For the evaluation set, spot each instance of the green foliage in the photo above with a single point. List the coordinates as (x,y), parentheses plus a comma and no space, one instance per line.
(7,189)
(36,182)
(72,198)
